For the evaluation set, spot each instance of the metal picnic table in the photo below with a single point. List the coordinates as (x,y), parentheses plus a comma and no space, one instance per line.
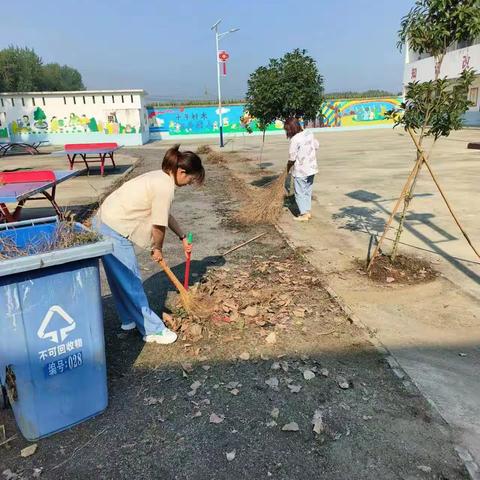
(31,148)
(19,193)
(90,153)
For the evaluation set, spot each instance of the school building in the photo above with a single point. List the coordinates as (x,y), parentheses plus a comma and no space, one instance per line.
(460,55)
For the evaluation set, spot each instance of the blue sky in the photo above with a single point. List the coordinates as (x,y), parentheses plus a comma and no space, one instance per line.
(168,48)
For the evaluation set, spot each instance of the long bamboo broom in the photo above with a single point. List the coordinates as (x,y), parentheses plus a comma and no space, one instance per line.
(265,205)
(193,304)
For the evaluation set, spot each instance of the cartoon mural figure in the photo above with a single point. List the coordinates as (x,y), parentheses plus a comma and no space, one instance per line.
(22,125)
(215,126)
(54,125)
(73,120)
(26,123)
(337,116)
(83,121)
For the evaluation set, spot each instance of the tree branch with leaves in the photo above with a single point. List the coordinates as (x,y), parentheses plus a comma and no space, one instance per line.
(290,86)
(434,108)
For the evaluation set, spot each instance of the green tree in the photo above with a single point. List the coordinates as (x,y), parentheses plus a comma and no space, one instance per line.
(435,108)
(58,78)
(20,70)
(287,87)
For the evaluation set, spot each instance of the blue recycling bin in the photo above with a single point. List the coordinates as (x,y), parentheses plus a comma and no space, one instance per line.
(52,349)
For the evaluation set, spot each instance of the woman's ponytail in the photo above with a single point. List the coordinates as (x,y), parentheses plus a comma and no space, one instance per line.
(188,161)
(171,159)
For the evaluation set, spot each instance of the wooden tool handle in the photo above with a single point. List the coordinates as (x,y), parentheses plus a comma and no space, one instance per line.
(172,276)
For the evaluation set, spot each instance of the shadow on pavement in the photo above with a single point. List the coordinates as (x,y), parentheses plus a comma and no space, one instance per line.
(368,220)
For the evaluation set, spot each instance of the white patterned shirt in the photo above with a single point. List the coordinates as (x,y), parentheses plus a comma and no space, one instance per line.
(303,153)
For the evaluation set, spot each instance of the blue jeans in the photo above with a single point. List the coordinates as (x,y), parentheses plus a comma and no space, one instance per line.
(303,193)
(125,281)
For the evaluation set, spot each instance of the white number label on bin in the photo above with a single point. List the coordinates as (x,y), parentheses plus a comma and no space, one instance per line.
(63,365)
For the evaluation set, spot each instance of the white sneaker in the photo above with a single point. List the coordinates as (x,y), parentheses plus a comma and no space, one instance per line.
(302,218)
(165,337)
(128,326)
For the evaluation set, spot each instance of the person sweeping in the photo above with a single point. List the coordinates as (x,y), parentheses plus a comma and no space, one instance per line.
(139,213)
(302,165)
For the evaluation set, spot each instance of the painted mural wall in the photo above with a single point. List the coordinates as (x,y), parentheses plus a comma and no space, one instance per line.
(38,123)
(204,120)
(76,117)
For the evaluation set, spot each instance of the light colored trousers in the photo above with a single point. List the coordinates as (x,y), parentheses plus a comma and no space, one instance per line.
(303,193)
(125,281)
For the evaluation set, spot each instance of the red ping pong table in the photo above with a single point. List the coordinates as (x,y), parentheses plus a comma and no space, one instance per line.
(20,193)
(90,153)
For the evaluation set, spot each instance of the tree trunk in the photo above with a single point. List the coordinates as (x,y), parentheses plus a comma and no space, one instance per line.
(406,204)
(261,149)
(409,195)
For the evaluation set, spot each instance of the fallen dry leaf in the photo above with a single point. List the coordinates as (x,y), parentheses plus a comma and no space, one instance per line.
(250,311)
(196,385)
(275,412)
(272,383)
(235,391)
(244,356)
(390,279)
(9,475)
(317,422)
(343,384)
(291,427)
(195,330)
(187,367)
(231,455)
(308,375)
(29,451)
(231,385)
(214,418)
(37,472)
(294,388)
(271,338)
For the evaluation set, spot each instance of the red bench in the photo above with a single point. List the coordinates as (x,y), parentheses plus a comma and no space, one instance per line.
(91,153)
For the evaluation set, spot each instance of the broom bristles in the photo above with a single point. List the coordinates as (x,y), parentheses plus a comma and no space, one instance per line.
(195,305)
(264,205)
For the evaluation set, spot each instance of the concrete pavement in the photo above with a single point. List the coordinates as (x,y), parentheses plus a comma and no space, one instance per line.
(433,330)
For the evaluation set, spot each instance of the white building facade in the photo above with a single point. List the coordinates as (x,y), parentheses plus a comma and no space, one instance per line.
(459,56)
(75,117)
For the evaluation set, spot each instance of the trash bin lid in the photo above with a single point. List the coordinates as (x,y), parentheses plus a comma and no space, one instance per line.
(48,259)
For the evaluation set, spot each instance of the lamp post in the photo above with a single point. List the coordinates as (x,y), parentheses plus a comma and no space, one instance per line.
(218,36)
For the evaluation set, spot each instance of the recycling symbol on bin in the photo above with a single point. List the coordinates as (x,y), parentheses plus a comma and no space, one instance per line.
(56,335)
